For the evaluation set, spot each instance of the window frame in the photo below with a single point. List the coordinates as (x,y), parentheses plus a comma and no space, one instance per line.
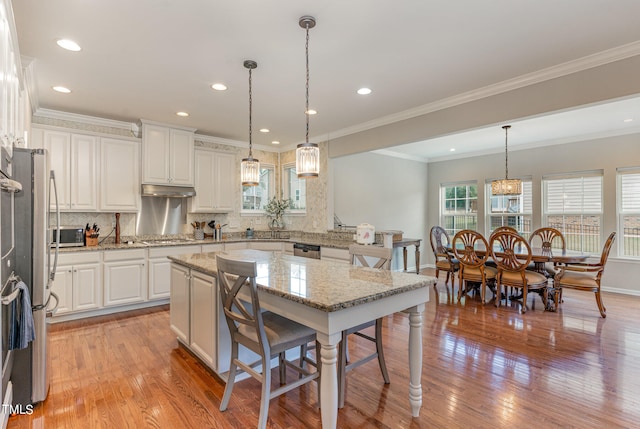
(286,191)
(271,190)
(526,213)
(622,212)
(571,237)
(471,214)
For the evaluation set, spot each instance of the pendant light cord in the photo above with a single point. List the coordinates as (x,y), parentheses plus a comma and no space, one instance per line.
(250,110)
(506,152)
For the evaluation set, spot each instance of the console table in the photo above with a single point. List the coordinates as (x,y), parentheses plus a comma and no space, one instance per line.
(406,242)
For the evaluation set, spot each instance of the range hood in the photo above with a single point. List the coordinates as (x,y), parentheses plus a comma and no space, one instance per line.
(168,191)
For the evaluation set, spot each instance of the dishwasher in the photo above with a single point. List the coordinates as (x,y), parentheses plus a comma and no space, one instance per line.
(306,250)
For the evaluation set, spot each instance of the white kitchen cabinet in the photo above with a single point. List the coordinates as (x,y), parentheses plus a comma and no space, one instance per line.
(236,246)
(78,282)
(11,88)
(204,317)
(214,182)
(125,276)
(179,302)
(120,175)
(218,247)
(167,155)
(74,159)
(160,269)
(270,246)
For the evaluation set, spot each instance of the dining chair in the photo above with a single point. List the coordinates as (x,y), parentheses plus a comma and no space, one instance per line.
(584,276)
(547,238)
(472,266)
(372,257)
(266,334)
(440,243)
(512,254)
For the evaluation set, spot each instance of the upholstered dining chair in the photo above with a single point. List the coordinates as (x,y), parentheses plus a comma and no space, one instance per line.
(444,260)
(547,238)
(372,257)
(512,254)
(265,333)
(584,276)
(472,266)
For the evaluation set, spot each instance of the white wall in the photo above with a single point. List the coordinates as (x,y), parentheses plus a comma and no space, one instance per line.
(388,192)
(607,154)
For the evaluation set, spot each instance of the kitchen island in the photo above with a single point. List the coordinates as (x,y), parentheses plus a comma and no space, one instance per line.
(325,295)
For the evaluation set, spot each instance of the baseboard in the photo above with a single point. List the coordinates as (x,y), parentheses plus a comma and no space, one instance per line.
(106,310)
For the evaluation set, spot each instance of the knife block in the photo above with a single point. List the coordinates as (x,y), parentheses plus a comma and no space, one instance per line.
(90,241)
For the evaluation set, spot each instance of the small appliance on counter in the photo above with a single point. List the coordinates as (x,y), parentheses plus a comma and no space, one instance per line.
(70,236)
(365,233)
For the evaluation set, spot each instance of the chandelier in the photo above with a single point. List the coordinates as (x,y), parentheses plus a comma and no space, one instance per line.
(250,167)
(506,186)
(307,154)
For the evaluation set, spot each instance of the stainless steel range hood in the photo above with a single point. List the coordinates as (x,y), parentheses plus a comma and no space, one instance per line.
(168,191)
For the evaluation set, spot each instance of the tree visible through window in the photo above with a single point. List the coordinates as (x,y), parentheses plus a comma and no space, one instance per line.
(511,210)
(459,207)
(294,188)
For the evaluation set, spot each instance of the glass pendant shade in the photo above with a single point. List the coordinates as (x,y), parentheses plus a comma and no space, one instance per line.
(250,172)
(506,186)
(308,160)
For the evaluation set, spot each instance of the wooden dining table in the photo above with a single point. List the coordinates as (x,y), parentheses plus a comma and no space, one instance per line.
(331,296)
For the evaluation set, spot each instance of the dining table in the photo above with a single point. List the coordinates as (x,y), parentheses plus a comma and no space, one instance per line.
(332,296)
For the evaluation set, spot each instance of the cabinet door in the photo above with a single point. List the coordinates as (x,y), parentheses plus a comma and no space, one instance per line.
(204,301)
(84,172)
(124,282)
(59,147)
(155,153)
(120,175)
(181,157)
(179,302)
(62,286)
(204,182)
(87,285)
(159,278)
(225,180)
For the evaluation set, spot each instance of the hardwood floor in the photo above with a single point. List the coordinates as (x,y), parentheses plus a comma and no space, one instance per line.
(483,368)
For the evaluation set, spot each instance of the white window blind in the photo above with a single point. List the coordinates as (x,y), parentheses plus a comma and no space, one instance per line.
(629,212)
(630,193)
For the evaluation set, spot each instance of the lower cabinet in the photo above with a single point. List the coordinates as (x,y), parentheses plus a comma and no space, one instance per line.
(78,285)
(160,269)
(333,254)
(179,302)
(125,277)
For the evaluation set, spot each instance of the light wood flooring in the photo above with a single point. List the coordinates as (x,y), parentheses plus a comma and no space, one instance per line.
(483,368)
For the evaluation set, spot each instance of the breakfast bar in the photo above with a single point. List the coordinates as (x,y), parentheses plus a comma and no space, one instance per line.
(325,295)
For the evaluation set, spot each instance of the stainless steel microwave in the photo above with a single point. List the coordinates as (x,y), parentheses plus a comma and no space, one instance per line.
(70,236)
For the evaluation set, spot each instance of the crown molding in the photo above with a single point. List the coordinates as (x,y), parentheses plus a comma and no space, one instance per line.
(85,119)
(598,59)
(235,143)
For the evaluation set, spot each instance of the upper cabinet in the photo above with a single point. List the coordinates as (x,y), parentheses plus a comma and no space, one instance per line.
(120,178)
(214,182)
(73,158)
(11,94)
(167,155)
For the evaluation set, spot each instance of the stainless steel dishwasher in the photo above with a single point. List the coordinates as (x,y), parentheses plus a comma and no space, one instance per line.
(306,250)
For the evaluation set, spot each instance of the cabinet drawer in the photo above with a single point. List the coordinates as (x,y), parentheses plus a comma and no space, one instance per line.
(212,248)
(265,245)
(72,258)
(124,255)
(158,252)
(235,246)
(333,253)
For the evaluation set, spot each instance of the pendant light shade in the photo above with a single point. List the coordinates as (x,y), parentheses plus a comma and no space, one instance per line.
(506,186)
(250,167)
(307,154)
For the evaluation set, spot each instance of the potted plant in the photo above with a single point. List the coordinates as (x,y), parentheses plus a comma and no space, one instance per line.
(275,210)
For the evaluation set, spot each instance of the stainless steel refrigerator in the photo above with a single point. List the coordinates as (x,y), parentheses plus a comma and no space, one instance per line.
(35,265)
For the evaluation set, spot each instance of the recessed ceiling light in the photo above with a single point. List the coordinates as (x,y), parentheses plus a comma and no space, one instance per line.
(264,130)
(311,112)
(62,89)
(275,142)
(453,149)
(219,87)
(628,120)
(364,91)
(183,114)
(69,45)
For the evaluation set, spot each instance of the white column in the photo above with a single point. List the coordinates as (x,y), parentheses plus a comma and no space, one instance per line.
(329,379)
(415,359)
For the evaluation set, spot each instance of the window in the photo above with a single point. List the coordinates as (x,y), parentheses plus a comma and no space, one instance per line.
(573,204)
(629,211)
(459,207)
(510,210)
(254,198)
(294,188)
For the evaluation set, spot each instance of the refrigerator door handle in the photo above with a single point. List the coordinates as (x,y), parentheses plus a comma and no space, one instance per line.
(51,311)
(52,270)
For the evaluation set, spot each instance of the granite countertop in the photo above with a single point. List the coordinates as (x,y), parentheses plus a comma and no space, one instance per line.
(326,285)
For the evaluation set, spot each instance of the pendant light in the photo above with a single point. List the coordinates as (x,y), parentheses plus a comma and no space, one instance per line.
(250,167)
(307,154)
(506,186)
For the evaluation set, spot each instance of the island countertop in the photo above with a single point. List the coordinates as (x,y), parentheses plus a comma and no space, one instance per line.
(326,285)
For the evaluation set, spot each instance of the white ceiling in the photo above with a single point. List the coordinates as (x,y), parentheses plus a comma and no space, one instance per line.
(151,58)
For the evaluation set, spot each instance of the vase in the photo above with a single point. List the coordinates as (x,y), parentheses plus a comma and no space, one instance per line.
(277,223)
